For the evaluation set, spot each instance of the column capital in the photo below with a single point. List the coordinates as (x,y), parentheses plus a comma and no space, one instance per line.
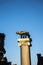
(24,41)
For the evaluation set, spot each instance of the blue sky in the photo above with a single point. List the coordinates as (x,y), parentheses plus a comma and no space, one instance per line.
(21,15)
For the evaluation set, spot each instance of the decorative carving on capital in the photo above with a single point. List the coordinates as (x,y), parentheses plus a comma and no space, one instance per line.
(24,42)
(24,39)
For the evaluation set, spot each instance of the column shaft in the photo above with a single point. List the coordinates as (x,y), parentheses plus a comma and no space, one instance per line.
(25,55)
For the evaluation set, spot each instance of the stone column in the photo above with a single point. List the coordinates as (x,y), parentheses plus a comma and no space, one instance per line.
(25,44)
(24,51)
